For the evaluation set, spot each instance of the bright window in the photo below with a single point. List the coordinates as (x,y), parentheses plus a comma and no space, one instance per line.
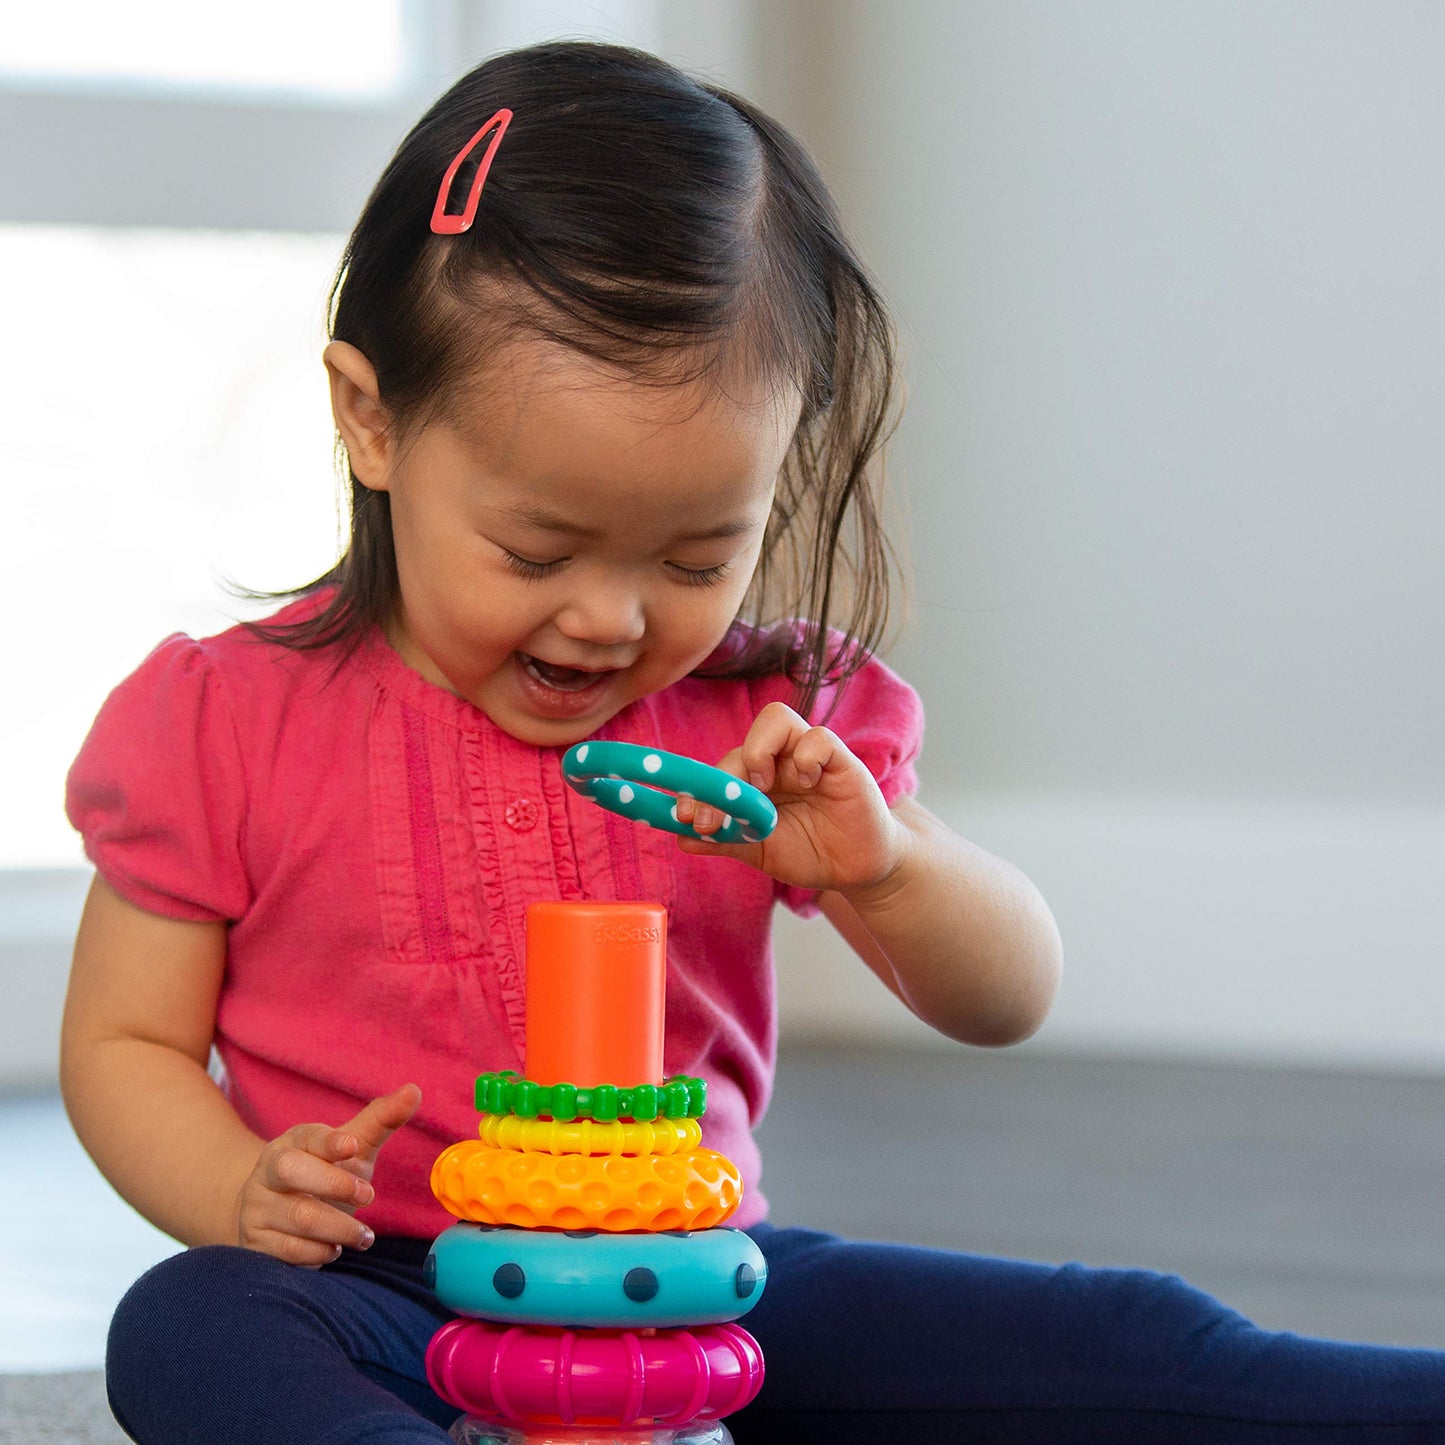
(164,426)
(351,50)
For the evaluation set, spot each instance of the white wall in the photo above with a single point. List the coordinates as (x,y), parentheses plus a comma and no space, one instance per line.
(1172,286)
(1173,291)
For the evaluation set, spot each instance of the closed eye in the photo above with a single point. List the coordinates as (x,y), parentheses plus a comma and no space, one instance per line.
(698,576)
(534,570)
(526,567)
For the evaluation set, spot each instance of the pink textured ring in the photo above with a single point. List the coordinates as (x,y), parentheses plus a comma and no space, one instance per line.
(611,1378)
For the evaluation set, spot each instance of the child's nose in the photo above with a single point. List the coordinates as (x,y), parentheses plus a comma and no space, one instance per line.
(602,615)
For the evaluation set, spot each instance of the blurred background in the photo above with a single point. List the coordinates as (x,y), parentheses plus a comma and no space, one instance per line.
(1171,287)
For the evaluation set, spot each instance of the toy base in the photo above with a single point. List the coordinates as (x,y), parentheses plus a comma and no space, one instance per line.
(472,1430)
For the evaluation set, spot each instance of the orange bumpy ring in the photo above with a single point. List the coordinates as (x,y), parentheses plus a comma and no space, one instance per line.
(615,1192)
(590,1136)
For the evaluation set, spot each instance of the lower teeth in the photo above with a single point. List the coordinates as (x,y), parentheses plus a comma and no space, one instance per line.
(560,679)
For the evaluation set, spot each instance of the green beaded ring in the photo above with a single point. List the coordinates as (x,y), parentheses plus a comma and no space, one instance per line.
(680,1097)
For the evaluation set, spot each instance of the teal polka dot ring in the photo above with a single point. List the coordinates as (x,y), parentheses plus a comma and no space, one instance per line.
(644,784)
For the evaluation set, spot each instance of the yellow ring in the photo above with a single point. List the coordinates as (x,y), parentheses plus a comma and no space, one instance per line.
(590,1136)
(614,1192)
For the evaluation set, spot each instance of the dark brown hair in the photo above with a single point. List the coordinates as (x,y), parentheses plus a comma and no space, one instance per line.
(656,222)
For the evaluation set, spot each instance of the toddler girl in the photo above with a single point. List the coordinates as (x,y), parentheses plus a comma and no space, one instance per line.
(612,388)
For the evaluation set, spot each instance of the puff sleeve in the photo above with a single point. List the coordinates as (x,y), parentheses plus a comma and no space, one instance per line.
(880,717)
(157,791)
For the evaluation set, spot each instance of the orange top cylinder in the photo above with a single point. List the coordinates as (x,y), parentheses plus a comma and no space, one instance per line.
(595,982)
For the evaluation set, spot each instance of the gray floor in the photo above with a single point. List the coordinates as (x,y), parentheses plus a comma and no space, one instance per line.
(59,1409)
(1309,1201)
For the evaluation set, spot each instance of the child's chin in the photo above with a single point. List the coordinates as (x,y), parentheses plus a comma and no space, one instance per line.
(550,732)
(549,737)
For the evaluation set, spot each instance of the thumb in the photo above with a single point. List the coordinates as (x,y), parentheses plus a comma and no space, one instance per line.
(382,1117)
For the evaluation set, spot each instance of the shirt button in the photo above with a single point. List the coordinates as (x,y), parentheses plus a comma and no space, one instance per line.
(521,814)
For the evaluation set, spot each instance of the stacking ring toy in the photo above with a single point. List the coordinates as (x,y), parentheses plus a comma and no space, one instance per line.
(615,1192)
(588,1136)
(680,1097)
(621,777)
(590,1377)
(608,1281)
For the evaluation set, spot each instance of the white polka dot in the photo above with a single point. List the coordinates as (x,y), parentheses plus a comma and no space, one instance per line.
(652,762)
(733,791)
(673,811)
(582,753)
(625,794)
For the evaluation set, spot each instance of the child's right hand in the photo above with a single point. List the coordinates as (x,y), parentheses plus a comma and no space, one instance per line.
(297,1203)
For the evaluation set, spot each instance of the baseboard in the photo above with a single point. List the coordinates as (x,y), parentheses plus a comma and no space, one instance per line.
(1311,935)
(39,911)
(1192,929)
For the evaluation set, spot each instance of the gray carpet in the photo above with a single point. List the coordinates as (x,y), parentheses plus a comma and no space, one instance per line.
(1308,1200)
(65,1409)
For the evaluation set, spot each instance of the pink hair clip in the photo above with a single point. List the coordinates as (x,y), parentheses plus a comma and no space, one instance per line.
(445,224)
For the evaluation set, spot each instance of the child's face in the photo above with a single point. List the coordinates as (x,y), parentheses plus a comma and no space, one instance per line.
(574,541)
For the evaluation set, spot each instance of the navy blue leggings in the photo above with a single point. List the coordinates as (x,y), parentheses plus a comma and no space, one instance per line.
(864,1343)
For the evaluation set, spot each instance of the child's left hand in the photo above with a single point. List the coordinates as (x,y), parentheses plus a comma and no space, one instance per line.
(835,831)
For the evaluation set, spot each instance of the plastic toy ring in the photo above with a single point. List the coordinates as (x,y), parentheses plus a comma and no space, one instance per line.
(596,1279)
(621,777)
(590,1136)
(594,1377)
(680,1097)
(615,1192)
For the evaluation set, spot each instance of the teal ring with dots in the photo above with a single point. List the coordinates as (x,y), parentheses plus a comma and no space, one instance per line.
(597,1280)
(644,784)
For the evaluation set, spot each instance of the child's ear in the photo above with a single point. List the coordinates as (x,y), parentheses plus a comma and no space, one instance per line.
(362,420)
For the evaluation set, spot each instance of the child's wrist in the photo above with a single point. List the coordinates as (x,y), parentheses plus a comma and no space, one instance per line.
(880,892)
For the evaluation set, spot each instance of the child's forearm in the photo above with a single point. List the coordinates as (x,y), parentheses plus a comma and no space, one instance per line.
(162,1133)
(963,938)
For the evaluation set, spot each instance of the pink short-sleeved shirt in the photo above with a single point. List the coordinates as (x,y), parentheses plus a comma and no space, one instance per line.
(373,842)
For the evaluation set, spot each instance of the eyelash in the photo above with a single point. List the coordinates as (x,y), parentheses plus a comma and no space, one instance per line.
(533,571)
(688,576)
(699,576)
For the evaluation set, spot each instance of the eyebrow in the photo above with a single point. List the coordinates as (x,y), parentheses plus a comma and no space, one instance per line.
(546,521)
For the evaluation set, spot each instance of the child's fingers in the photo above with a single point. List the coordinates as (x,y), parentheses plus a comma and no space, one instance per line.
(771,737)
(769,740)
(303,1230)
(812,755)
(783,754)
(321,1140)
(704,820)
(303,1216)
(292,1248)
(297,1169)
(382,1117)
(306,1253)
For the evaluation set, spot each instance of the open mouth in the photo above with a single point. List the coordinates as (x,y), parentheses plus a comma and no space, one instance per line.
(560,679)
